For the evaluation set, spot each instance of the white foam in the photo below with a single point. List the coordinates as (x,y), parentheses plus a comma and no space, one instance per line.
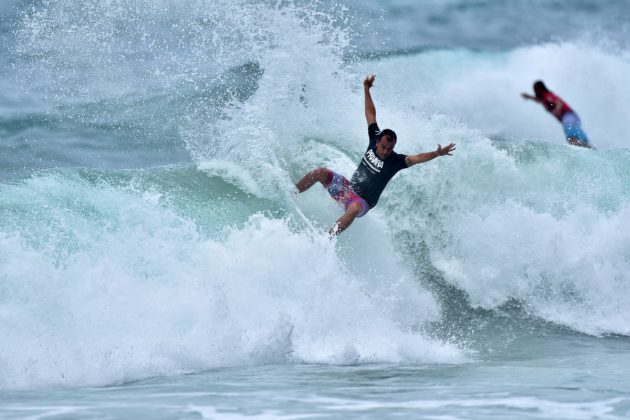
(130,290)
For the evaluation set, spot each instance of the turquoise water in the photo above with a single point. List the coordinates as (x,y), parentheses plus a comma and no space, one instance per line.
(154,263)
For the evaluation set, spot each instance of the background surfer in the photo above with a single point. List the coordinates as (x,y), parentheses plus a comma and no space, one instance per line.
(562,111)
(379,164)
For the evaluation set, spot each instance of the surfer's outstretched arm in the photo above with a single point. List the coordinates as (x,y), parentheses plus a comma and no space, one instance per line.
(411,160)
(370,109)
(530,97)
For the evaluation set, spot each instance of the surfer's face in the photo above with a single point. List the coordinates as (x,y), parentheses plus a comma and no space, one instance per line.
(385,147)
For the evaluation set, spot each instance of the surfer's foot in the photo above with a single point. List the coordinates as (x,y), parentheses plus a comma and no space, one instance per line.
(334,231)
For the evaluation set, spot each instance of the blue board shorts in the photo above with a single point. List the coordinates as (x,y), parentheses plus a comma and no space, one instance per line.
(339,188)
(573,128)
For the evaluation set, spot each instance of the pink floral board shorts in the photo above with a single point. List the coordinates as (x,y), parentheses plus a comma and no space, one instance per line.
(339,188)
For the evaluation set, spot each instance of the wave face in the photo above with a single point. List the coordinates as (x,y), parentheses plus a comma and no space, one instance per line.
(147,225)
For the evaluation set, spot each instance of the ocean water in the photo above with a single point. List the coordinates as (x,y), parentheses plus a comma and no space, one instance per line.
(154,263)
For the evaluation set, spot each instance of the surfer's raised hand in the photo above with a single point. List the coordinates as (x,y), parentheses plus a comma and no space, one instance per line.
(369,81)
(446,150)
(370,109)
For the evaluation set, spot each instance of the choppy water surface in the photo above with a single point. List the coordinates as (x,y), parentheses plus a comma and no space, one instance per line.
(153,262)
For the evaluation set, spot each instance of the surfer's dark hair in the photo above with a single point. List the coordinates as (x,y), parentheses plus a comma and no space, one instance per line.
(540,89)
(388,132)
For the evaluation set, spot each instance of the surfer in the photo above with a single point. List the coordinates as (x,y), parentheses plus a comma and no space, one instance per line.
(562,111)
(379,164)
